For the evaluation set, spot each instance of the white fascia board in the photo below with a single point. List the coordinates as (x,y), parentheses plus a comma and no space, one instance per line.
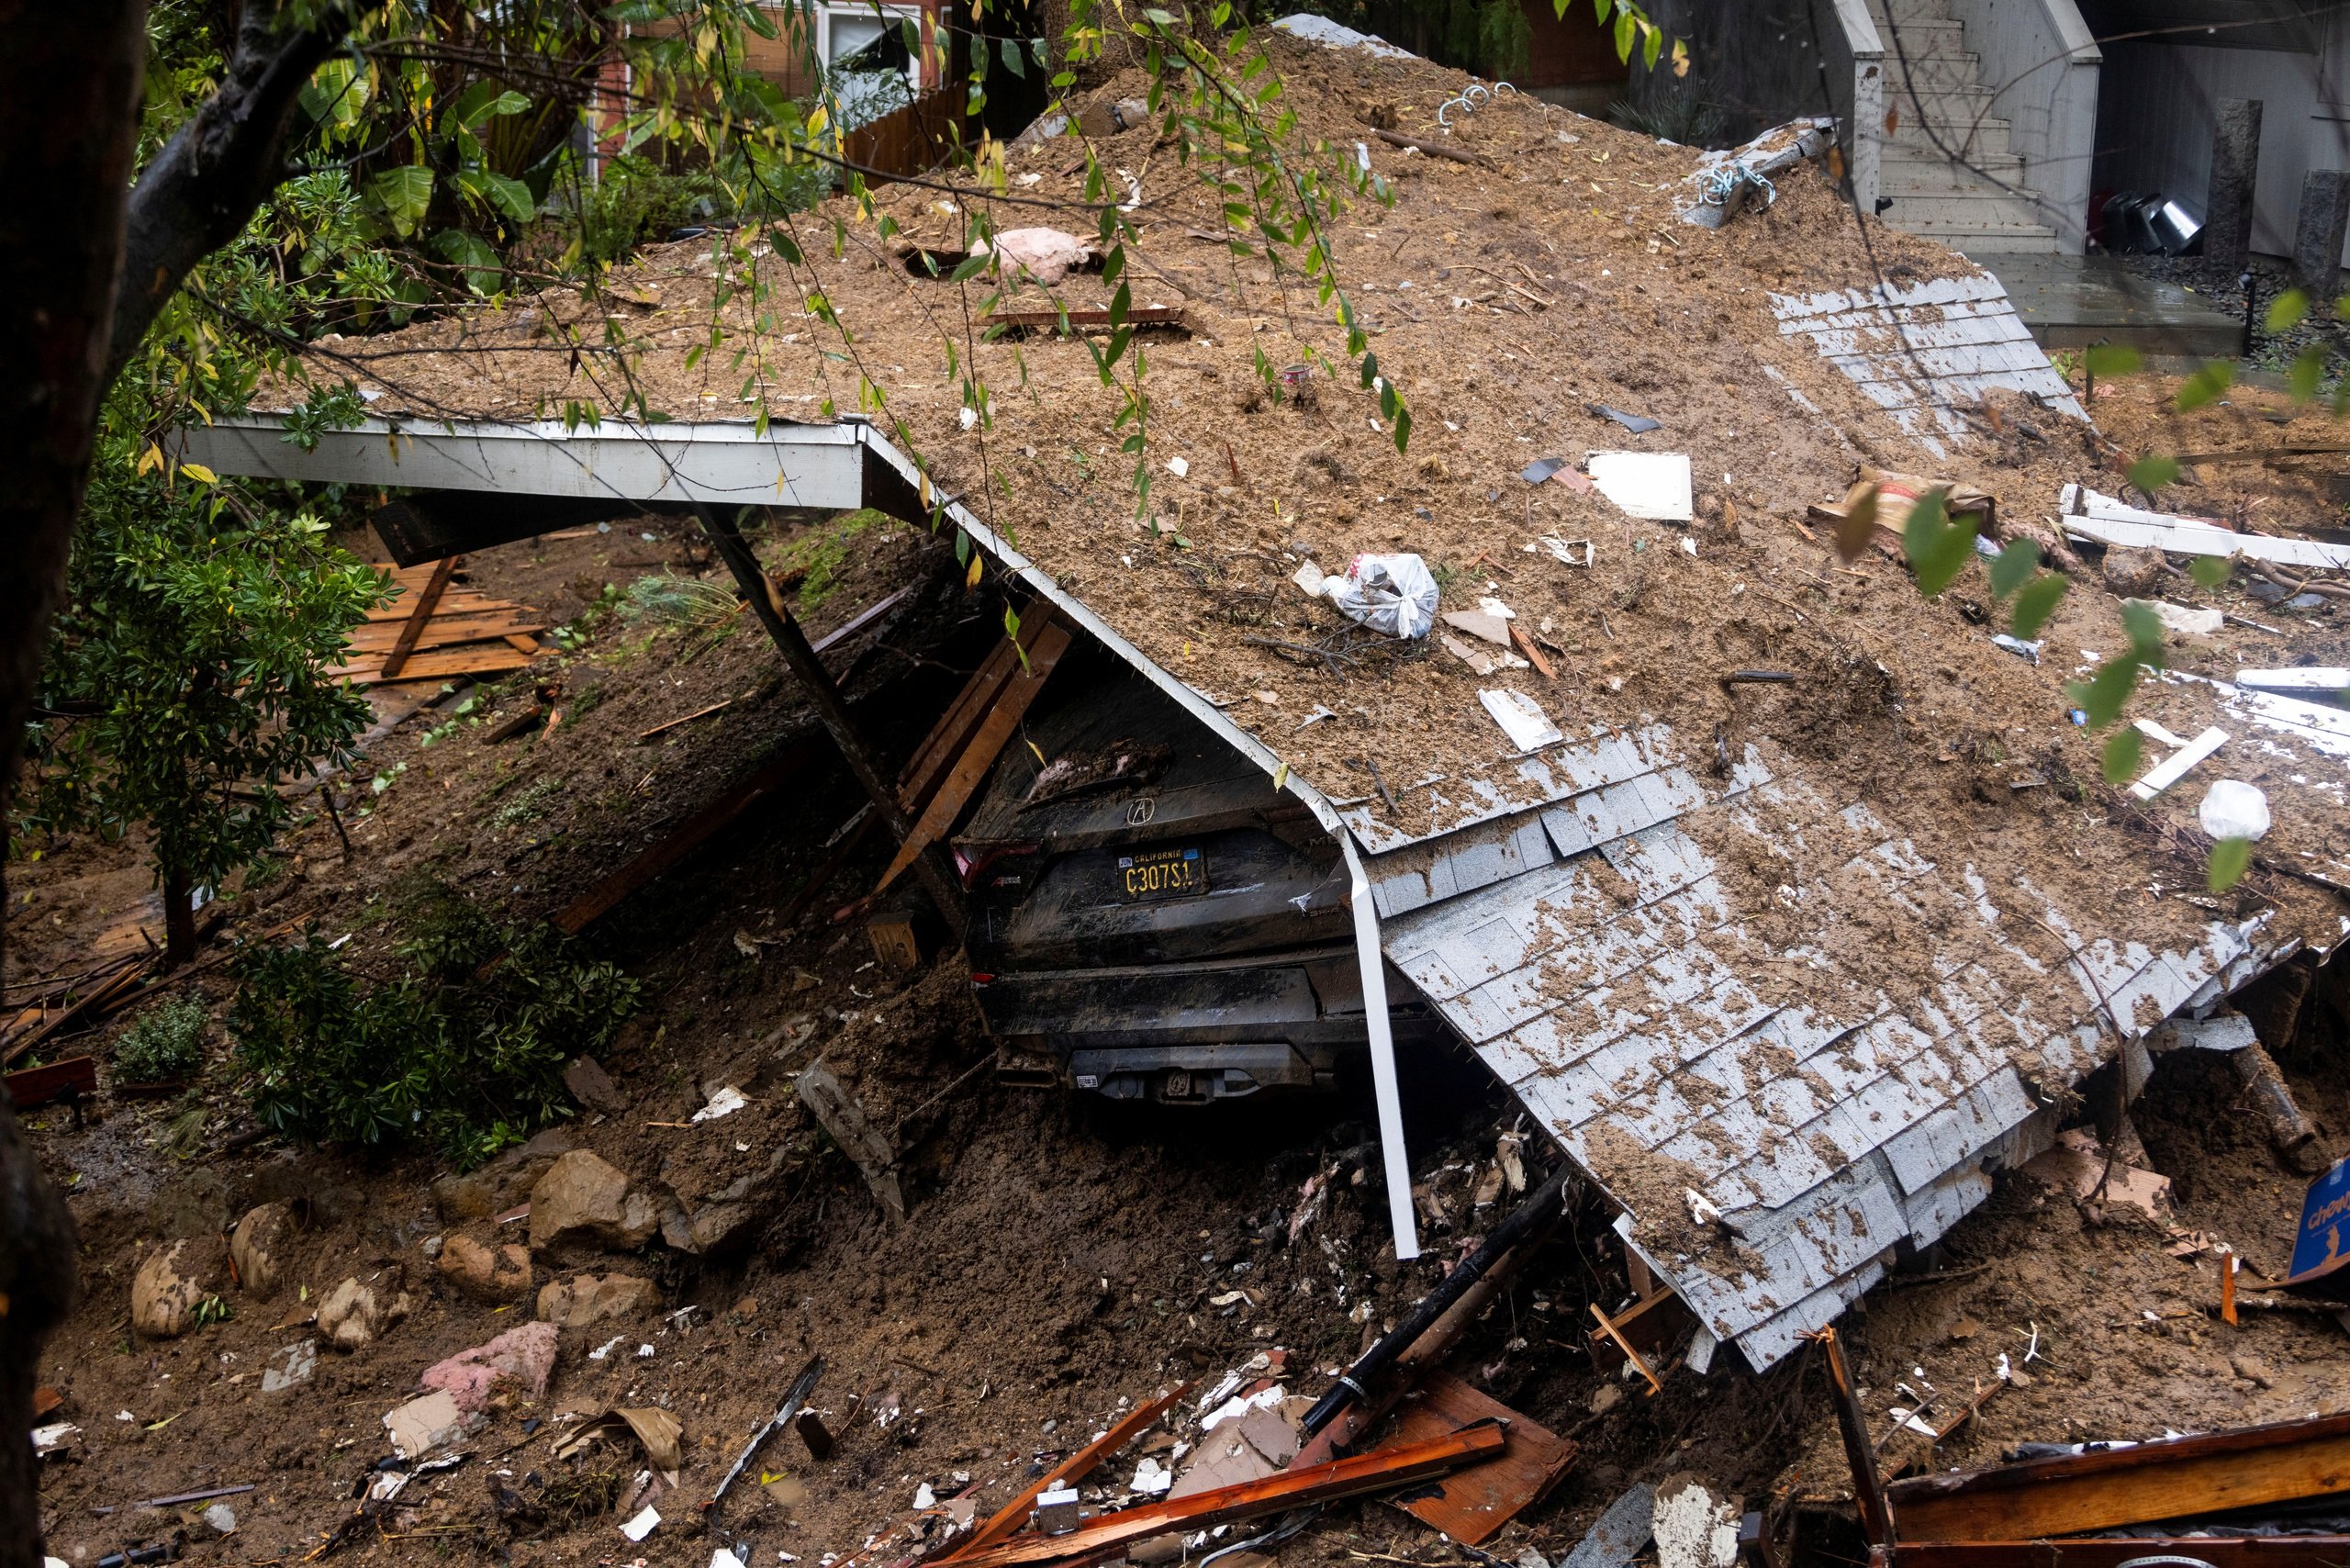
(725,464)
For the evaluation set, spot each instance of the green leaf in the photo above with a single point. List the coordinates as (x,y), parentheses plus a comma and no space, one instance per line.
(2101,697)
(511,198)
(2308,370)
(1655,47)
(483,269)
(2111,359)
(1626,31)
(1014,57)
(2211,571)
(2035,604)
(2286,311)
(2144,629)
(2231,858)
(1402,428)
(2207,384)
(2152,472)
(2014,567)
(1937,551)
(404,194)
(2122,754)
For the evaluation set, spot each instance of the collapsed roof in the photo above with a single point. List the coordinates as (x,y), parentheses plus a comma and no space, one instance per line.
(1788,968)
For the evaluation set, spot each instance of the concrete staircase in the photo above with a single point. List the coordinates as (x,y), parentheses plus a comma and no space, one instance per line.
(1956,201)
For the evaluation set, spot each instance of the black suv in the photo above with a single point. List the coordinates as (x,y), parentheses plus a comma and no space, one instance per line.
(1148,917)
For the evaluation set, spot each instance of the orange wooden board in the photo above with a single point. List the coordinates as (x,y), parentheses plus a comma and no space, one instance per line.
(442,630)
(471,659)
(1476,1500)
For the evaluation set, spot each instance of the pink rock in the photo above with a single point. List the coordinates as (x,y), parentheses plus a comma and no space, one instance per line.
(524,1354)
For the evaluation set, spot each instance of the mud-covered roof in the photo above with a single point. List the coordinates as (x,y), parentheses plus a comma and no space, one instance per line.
(1788,968)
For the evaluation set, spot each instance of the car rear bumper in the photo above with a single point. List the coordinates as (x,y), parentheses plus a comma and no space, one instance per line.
(1194,1032)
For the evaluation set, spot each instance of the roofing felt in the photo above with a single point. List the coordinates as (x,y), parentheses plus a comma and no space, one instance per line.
(1786,972)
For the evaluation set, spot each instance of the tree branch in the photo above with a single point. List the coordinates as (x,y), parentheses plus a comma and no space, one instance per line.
(207,183)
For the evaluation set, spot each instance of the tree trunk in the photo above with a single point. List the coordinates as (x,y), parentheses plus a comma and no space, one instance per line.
(179,921)
(69,118)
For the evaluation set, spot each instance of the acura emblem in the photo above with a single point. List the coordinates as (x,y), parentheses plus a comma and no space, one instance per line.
(1142,811)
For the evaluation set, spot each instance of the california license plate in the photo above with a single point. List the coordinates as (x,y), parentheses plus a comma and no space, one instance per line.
(1162,874)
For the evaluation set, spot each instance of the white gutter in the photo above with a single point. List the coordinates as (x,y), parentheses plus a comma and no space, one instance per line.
(789,464)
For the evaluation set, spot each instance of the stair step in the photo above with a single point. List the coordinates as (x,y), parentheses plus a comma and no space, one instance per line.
(1905,171)
(2005,239)
(1968,210)
(1907,11)
(1985,143)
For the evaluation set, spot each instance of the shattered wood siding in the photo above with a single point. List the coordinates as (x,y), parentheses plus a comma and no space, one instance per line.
(1828,1142)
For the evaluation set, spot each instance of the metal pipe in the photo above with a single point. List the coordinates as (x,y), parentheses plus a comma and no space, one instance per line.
(1543,1204)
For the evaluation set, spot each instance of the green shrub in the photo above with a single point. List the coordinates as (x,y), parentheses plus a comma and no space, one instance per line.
(166,1044)
(464,1050)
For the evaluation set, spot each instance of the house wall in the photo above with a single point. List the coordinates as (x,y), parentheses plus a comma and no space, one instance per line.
(1759,61)
(2157,105)
(1571,60)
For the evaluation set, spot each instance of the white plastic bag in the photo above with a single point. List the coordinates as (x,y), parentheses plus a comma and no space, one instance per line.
(1394,594)
(2235,810)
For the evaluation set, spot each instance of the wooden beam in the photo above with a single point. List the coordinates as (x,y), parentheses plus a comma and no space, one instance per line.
(946,739)
(1876,1513)
(1073,1469)
(1474,1502)
(690,835)
(2239,1469)
(2111,1552)
(994,731)
(1385,1470)
(70,1079)
(428,599)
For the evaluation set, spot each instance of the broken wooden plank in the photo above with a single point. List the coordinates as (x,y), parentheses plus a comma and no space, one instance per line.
(67,1080)
(1431,149)
(1169,316)
(1650,1323)
(428,599)
(2218,1552)
(2104,520)
(663,728)
(956,790)
(1385,1470)
(1608,1328)
(2175,767)
(1475,1501)
(924,770)
(695,830)
(866,1146)
(441,664)
(449,626)
(100,999)
(2162,1480)
(1073,1469)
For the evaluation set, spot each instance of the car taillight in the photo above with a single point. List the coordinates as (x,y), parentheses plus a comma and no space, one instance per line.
(974,867)
(981,979)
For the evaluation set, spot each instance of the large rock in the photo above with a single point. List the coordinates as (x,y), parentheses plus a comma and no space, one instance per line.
(585,1200)
(167,1290)
(260,1248)
(583,1299)
(485,1273)
(523,1358)
(352,1314)
(2132,572)
(593,1087)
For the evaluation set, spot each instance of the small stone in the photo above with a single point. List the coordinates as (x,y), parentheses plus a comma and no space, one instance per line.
(585,1200)
(585,1299)
(494,1274)
(259,1246)
(166,1290)
(352,1314)
(461,1198)
(220,1518)
(2252,1370)
(593,1087)
(1605,1398)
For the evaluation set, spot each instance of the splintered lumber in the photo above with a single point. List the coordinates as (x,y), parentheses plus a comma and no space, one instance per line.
(1473,1501)
(695,830)
(1073,1469)
(2219,1552)
(70,1079)
(939,748)
(2167,1480)
(428,600)
(844,1120)
(1141,316)
(1384,1469)
(2104,520)
(956,790)
(1432,148)
(441,663)
(90,1004)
